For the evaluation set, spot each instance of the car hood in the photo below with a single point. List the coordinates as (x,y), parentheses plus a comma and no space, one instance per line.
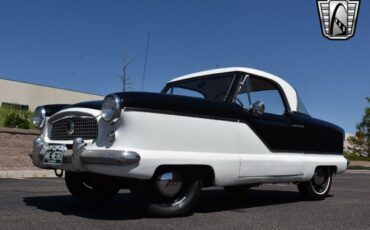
(166,103)
(86,104)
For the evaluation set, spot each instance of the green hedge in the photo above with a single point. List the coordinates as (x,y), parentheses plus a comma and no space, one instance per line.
(355,157)
(13,118)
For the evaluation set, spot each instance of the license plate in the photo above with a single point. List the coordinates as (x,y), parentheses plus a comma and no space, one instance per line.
(54,154)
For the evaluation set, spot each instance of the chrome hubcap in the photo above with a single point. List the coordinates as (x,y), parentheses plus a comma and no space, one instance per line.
(169,184)
(319,177)
(320,181)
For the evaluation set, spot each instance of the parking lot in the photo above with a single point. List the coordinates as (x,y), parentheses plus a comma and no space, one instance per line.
(46,204)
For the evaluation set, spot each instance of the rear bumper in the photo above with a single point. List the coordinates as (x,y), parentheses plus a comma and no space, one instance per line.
(77,158)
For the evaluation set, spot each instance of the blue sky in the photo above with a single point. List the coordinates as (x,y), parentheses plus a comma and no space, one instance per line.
(79,45)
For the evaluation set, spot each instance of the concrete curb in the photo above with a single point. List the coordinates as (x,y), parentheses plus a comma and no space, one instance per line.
(360,163)
(34,132)
(357,171)
(27,174)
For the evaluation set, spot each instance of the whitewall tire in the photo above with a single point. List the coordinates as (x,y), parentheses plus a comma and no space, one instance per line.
(171,192)
(319,186)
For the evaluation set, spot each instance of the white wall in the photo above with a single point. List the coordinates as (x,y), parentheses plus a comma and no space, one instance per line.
(34,95)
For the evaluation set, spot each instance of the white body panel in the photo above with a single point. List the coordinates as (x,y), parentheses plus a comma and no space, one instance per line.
(163,132)
(232,149)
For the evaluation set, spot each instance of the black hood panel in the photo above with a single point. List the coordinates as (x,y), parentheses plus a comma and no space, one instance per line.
(53,108)
(179,104)
(87,104)
(168,104)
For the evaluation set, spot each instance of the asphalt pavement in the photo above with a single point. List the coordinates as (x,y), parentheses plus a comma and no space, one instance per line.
(46,204)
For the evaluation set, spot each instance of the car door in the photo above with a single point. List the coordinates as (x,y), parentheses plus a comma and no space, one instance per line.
(281,138)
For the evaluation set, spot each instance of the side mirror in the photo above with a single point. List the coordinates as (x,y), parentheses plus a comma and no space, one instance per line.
(258,108)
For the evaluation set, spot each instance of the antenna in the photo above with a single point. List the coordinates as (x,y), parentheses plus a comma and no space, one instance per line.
(146,56)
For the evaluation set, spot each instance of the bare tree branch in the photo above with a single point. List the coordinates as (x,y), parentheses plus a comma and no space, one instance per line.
(124,77)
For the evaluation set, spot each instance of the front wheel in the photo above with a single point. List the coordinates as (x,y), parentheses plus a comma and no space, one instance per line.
(89,187)
(171,192)
(319,186)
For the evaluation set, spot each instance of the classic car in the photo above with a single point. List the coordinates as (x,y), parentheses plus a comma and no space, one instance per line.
(230,127)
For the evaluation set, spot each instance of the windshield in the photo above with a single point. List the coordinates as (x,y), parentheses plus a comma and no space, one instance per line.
(301,107)
(211,88)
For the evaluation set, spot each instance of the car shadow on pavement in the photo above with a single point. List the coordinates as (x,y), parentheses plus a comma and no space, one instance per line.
(123,206)
(220,200)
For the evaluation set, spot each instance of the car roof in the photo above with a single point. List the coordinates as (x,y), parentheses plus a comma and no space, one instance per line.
(289,91)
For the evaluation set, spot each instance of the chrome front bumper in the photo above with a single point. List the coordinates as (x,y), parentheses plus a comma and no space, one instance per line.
(74,159)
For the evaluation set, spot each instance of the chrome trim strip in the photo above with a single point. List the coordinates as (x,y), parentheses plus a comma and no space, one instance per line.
(68,114)
(273,176)
(79,155)
(109,157)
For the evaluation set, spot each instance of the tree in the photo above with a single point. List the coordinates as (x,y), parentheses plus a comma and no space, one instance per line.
(361,141)
(124,77)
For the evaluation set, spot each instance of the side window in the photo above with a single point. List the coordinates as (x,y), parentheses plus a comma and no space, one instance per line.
(243,98)
(185,92)
(258,89)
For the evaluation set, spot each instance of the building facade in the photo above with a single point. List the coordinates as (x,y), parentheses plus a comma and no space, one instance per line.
(27,96)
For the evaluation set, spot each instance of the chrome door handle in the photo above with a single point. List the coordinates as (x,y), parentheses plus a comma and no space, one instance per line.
(298,126)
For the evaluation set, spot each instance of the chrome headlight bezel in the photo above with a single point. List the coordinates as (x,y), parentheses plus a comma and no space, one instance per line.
(39,117)
(111,108)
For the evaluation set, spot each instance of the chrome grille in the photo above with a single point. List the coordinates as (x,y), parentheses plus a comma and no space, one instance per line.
(85,127)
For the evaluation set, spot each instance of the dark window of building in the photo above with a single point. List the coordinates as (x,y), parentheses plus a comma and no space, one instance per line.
(15,106)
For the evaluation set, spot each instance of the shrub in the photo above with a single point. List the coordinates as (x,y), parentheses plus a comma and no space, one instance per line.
(15,118)
(355,157)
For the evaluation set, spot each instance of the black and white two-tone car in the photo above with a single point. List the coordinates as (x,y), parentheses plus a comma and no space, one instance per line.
(230,127)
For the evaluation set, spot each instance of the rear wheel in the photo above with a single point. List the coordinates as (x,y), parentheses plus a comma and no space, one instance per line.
(89,187)
(319,186)
(171,192)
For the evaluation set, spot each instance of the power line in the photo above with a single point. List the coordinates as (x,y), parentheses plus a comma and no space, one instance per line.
(146,56)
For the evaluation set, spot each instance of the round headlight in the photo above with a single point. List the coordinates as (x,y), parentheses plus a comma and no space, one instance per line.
(39,117)
(111,108)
